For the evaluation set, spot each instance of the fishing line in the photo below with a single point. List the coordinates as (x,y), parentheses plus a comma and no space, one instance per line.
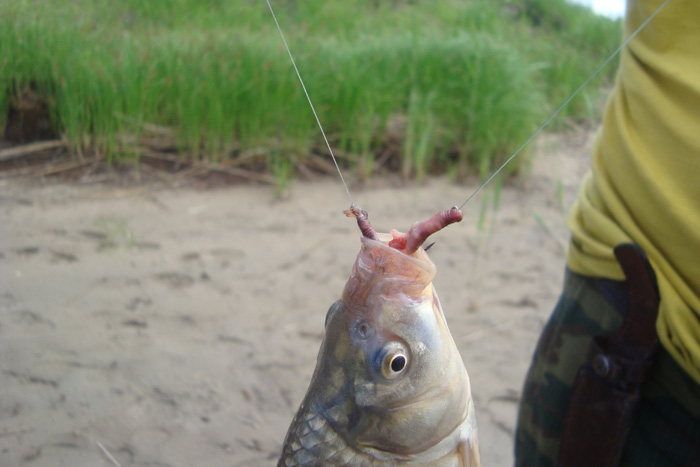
(551,117)
(309,99)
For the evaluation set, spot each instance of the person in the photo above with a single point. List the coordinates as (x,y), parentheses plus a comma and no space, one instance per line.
(600,389)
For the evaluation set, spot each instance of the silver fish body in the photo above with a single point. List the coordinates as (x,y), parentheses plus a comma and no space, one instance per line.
(389,385)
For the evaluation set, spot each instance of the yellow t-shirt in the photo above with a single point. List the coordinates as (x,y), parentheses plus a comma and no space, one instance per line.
(644,186)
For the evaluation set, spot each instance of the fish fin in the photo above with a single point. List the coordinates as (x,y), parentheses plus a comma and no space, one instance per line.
(469,453)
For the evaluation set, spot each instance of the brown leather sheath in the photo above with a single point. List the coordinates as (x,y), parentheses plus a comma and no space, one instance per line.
(606,391)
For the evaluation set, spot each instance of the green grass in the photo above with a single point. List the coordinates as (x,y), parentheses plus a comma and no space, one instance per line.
(469,81)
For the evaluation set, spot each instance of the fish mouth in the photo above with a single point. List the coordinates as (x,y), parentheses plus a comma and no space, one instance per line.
(395,272)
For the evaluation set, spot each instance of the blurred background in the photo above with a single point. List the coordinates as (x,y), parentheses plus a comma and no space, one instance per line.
(611,8)
(147,321)
(410,87)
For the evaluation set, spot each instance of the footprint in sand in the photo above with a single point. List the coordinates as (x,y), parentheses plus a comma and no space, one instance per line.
(27,251)
(175,279)
(30,318)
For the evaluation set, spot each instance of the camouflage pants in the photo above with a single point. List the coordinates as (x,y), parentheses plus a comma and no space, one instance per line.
(666,428)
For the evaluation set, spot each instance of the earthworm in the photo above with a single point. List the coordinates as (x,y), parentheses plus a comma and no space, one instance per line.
(420,231)
(363,221)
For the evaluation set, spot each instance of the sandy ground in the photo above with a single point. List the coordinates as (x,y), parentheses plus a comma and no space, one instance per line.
(178,327)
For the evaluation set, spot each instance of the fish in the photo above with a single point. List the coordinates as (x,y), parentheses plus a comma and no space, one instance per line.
(389,387)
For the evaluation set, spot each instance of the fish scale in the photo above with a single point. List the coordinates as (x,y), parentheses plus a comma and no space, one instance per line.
(312,441)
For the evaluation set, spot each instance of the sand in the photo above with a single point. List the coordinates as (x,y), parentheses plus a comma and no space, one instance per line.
(172,326)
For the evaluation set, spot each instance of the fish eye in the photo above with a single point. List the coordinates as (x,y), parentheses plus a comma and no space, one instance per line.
(398,363)
(393,360)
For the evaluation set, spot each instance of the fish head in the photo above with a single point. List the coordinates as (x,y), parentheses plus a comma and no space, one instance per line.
(389,378)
